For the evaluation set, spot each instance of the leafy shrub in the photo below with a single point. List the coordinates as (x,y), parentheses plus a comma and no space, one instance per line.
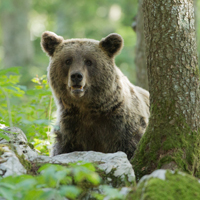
(76,181)
(29,109)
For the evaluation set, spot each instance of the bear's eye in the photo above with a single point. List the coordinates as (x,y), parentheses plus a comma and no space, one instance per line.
(88,62)
(68,61)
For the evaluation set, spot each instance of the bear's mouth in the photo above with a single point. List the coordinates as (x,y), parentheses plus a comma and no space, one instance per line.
(76,89)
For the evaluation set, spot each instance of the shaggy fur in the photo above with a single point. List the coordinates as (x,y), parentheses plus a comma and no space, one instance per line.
(99,109)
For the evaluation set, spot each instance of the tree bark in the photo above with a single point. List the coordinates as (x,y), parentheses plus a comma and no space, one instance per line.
(17,46)
(195,12)
(172,137)
(197,19)
(140,59)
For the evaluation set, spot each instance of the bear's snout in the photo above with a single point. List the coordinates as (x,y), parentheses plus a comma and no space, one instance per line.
(76,78)
(76,83)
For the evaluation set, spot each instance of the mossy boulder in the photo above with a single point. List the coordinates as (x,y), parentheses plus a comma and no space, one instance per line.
(167,185)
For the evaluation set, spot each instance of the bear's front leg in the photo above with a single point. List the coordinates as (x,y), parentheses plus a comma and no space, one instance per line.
(61,144)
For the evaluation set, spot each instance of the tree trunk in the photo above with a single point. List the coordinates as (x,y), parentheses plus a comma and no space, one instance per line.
(197,19)
(172,137)
(16,38)
(195,12)
(140,59)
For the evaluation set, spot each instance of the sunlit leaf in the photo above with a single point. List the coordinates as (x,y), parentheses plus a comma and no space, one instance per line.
(50,194)
(10,69)
(28,183)
(33,194)
(42,122)
(94,178)
(113,193)
(3,135)
(6,193)
(70,191)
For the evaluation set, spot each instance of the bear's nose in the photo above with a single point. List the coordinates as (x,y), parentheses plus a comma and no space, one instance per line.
(76,77)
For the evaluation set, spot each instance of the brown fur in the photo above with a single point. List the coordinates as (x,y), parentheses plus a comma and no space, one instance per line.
(99,109)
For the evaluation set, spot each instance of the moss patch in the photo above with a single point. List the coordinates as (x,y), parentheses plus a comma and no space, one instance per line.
(176,186)
(27,165)
(31,168)
(31,145)
(2,150)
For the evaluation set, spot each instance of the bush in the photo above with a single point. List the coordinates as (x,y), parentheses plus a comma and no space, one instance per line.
(29,109)
(76,181)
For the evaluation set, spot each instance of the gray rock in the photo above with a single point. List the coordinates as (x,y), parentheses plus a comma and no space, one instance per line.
(159,173)
(116,163)
(10,164)
(19,141)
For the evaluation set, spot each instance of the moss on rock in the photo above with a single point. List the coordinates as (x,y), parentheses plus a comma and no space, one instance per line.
(31,168)
(2,150)
(176,185)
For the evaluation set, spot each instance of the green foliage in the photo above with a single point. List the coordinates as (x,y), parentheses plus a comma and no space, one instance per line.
(56,182)
(2,135)
(28,109)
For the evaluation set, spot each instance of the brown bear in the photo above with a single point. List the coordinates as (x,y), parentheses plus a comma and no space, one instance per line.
(97,107)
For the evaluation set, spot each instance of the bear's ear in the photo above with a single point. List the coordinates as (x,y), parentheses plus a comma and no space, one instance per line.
(112,44)
(49,41)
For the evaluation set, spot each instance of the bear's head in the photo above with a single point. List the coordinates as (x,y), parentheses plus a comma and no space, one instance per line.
(82,71)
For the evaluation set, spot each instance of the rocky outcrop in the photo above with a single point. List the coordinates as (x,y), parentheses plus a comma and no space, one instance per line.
(115,168)
(13,152)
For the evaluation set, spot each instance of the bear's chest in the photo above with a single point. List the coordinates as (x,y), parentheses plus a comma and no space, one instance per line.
(98,133)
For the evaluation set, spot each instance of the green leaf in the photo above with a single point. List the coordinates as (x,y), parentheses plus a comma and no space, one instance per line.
(3,135)
(7,185)
(39,92)
(112,193)
(6,193)
(6,84)
(42,122)
(28,183)
(22,87)
(34,194)
(94,178)
(70,191)
(36,80)
(11,69)
(85,171)
(51,194)
(98,196)
(26,121)
(12,88)
(60,175)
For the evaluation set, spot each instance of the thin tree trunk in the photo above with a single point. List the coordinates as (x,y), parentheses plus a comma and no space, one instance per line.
(140,59)
(172,137)
(17,46)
